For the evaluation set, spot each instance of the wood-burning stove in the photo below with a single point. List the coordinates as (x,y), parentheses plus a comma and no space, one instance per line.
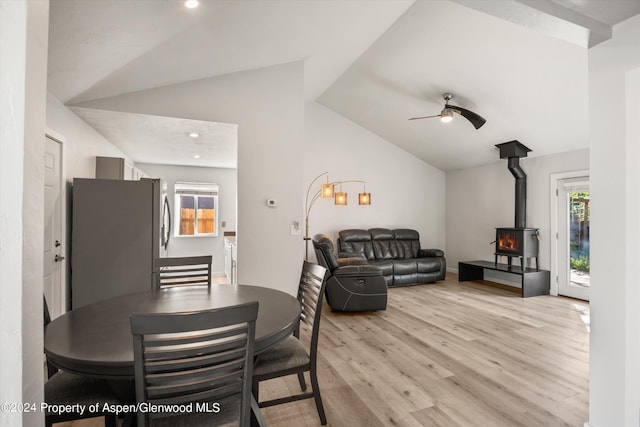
(517,242)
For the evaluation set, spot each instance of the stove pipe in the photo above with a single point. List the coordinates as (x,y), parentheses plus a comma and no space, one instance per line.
(521,191)
(513,151)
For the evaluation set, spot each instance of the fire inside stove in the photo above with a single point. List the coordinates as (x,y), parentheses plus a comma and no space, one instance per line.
(508,241)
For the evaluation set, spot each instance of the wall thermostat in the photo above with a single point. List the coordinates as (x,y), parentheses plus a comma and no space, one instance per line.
(272,203)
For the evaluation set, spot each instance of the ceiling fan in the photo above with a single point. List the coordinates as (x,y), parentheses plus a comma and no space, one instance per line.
(446,115)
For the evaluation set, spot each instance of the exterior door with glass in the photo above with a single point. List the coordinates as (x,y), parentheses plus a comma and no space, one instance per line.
(573,219)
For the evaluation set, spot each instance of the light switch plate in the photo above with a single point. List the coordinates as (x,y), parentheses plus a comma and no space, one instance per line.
(295,228)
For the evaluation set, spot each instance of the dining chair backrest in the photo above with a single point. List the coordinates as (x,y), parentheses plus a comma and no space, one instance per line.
(45,308)
(310,291)
(202,356)
(183,271)
(51,370)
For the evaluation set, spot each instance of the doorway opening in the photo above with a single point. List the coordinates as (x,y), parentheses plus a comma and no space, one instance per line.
(572,212)
(54,250)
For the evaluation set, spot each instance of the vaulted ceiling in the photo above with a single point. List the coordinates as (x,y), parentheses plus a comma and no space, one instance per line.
(520,64)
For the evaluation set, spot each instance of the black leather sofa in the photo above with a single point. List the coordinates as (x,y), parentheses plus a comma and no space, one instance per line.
(397,253)
(352,284)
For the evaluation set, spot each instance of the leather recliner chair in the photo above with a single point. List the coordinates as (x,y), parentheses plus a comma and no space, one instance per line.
(352,284)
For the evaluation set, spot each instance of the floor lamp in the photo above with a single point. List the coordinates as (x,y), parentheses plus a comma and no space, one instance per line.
(326,191)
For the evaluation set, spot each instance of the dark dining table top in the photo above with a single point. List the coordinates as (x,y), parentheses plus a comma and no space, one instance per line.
(96,339)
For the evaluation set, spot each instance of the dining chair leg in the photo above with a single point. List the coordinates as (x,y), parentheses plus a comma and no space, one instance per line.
(303,384)
(110,421)
(255,390)
(257,419)
(317,398)
(129,420)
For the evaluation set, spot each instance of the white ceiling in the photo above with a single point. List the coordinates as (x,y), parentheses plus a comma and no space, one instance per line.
(166,140)
(520,64)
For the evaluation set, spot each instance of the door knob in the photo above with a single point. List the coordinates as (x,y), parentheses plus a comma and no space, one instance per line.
(58,258)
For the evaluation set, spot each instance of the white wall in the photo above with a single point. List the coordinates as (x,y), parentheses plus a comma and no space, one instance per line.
(614,89)
(405,191)
(268,106)
(81,142)
(23,49)
(194,246)
(482,198)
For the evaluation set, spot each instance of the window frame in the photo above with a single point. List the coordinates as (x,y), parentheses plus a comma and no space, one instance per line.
(197,190)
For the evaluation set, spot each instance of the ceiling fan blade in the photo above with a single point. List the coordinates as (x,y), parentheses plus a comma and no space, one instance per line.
(476,120)
(424,117)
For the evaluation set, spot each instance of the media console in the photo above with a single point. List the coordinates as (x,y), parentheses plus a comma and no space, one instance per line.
(533,281)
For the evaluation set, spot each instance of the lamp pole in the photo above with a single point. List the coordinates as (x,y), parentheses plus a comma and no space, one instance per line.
(310,202)
(307,210)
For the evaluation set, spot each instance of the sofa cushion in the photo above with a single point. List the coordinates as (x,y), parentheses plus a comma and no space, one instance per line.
(358,241)
(386,267)
(384,247)
(407,279)
(428,265)
(402,267)
(408,243)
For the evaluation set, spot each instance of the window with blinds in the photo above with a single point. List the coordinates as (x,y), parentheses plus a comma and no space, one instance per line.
(196,208)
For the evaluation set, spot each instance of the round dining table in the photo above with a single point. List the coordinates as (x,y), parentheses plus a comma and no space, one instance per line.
(95,340)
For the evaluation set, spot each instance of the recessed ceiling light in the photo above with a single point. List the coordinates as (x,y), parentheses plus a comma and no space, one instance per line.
(194,135)
(197,156)
(190,4)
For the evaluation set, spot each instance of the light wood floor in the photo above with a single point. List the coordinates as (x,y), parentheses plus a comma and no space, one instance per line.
(448,354)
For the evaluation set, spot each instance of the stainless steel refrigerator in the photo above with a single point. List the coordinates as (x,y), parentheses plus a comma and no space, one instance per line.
(115,238)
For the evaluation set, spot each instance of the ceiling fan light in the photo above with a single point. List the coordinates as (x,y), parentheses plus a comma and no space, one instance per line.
(447,115)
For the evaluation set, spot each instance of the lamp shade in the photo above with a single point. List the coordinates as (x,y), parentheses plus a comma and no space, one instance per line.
(327,190)
(340,198)
(364,198)
(447,115)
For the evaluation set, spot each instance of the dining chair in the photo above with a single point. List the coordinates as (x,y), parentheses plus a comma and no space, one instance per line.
(292,356)
(183,271)
(201,360)
(63,388)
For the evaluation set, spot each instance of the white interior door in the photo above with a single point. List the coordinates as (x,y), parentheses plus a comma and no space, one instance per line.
(53,248)
(573,237)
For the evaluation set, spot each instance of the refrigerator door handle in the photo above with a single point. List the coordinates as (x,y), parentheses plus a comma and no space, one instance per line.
(166,223)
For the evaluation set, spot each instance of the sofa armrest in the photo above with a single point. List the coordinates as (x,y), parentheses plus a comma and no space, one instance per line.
(350,255)
(430,253)
(363,270)
(349,258)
